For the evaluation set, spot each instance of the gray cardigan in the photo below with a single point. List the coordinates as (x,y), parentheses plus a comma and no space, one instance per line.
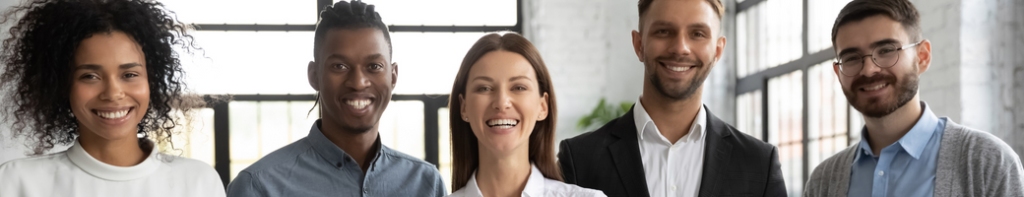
(970,163)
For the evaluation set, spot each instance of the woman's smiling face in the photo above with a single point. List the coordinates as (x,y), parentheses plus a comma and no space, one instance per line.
(109,88)
(503,101)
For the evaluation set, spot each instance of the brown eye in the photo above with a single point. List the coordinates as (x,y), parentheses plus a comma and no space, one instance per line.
(376,67)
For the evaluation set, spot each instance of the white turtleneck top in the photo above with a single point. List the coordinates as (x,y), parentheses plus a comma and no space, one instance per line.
(76,173)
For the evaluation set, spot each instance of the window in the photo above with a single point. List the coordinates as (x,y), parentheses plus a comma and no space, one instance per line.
(258,54)
(787,92)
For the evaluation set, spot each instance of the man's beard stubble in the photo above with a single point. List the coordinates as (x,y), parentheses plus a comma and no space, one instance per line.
(679,93)
(905,91)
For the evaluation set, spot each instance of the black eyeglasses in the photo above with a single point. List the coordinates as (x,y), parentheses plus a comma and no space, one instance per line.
(884,56)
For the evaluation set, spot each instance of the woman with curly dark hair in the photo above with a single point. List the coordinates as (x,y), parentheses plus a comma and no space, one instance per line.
(101,76)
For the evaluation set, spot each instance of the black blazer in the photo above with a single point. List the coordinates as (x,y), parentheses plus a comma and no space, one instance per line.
(608,159)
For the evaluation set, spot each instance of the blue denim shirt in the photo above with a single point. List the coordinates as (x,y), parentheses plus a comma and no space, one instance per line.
(905,168)
(313,166)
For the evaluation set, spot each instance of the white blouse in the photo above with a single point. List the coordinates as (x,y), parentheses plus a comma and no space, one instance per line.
(536,186)
(76,173)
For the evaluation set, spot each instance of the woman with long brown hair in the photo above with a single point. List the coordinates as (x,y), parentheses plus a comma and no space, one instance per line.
(503,123)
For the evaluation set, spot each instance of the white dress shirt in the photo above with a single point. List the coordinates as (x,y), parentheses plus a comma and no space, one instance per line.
(536,186)
(76,173)
(671,169)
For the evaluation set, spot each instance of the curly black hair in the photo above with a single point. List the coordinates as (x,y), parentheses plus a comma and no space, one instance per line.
(39,54)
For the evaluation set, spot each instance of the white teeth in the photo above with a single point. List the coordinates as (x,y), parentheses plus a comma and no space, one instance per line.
(502,123)
(679,69)
(359,104)
(879,86)
(112,115)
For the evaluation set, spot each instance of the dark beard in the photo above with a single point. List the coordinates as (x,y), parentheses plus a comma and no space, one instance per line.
(905,91)
(683,93)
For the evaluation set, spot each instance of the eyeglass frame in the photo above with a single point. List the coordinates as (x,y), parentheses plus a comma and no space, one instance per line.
(898,49)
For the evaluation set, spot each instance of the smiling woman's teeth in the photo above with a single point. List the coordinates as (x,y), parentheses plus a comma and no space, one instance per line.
(359,104)
(679,69)
(112,115)
(502,123)
(879,86)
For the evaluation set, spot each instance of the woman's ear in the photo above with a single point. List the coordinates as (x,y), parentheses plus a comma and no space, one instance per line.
(543,107)
(462,108)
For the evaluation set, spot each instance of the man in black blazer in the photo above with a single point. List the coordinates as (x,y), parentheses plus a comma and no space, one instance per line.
(669,144)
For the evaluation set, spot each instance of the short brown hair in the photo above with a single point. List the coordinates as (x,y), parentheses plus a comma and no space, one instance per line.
(899,10)
(465,152)
(715,4)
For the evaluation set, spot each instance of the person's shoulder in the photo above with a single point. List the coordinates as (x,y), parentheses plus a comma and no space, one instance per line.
(740,140)
(186,166)
(407,161)
(600,135)
(834,162)
(196,172)
(35,165)
(559,189)
(982,145)
(284,156)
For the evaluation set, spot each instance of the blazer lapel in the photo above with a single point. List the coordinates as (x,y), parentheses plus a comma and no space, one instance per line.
(716,154)
(625,153)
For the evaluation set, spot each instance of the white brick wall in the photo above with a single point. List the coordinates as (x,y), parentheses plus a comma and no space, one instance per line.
(587,47)
(991,55)
(976,72)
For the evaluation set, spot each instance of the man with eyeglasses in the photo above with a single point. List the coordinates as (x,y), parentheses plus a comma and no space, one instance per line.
(906,150)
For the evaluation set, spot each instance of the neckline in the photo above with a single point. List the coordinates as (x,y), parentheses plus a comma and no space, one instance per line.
(80,158)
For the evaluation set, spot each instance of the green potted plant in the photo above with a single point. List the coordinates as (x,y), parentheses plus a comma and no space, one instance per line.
(602,114)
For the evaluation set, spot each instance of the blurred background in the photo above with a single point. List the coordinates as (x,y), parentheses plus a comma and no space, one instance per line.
(775,81)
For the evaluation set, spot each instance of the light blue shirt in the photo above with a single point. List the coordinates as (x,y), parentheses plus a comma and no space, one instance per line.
(314,166)
(905,168)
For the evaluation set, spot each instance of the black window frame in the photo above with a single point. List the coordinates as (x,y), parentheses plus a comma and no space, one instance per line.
(759,81)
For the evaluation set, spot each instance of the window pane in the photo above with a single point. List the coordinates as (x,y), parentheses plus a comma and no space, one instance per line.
(821,17)
(444,147)
(748,110)
(770,34)
(428,62)
(401,128)
(827,114)
(244,11)
(447,12)
(249,62)
(785,126)
(260,127)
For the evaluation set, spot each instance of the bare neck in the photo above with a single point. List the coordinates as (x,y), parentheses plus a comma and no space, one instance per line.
(672,117)
(358,145)
(502,175)
(117,152)
(886,130)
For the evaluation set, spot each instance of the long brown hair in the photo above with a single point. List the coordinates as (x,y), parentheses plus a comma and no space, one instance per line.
(465,158)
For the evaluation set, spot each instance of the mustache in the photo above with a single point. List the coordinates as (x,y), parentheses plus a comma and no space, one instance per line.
(682,59)
(869,80)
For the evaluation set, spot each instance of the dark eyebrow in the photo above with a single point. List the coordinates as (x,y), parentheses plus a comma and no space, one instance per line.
(662,23)
(873,45)
(519,77)
(129,65)
(879,43)
(374,56)
(483,78)
(698,26)
(88,67)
